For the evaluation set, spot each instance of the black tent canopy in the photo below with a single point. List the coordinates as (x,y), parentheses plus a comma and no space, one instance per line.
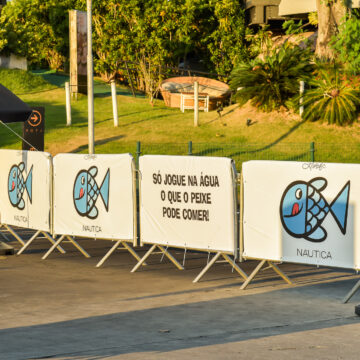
(12,109)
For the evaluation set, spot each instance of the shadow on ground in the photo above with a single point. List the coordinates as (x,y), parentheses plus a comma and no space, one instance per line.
(97,142)
(170,328)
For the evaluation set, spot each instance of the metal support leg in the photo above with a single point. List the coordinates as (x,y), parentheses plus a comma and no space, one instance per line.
(116,245)
(143,258)
(162,251)
(132,251)
(3,235)
(72,240)
(236,267)
(279,272)
(207,267)
(50,238)
(252,275)
(15,235)
(352,292)
(213,261)
(28,243)
(57,243)
(171,258)
(258,268)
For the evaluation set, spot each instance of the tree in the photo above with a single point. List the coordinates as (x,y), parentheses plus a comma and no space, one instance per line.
(226,42)
(347,44)
(36,29)
(331,14)
(155,34)
(150,34)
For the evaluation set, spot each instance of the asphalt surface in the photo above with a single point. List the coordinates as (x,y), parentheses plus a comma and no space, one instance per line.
(65,308)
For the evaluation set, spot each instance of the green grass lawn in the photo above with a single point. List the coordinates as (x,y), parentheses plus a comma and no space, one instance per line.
(277,135)
(21,82)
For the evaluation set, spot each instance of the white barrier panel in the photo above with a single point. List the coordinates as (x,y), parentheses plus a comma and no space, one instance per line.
(25,189)
(188,202)
(302,212)
(93,196)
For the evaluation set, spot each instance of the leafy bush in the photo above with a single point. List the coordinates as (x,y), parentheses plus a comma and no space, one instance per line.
(156,33)
(260,42)
(291,27)
(271,82)
(331,98)
(346,44)
(37,30)
(226,42)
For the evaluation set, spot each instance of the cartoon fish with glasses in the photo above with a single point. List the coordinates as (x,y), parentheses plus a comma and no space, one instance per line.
(303,209)
(17,185)
(87,191)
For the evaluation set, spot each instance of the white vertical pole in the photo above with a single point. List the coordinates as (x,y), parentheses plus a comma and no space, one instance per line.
(68,104)
(196,103)
(302,90)
(90,78)
(114,102)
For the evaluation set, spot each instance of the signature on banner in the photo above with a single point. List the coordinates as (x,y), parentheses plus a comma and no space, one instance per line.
(313,166)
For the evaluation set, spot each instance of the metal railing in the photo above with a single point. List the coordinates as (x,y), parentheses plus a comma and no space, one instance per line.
(306,152)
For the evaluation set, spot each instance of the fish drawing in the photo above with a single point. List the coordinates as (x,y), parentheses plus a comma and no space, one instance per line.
(303,209)
(17,185)
(87,191)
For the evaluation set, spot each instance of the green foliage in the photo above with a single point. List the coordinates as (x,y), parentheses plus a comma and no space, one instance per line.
(313,18)
(291,27)
(151,33)
(20,81)
(159,33)
(271,82)
(347,3)
(36,29)
(259,43)
(346,44)
(226,42)
(331,97)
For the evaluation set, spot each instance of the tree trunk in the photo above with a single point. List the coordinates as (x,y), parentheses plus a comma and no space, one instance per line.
(330,15)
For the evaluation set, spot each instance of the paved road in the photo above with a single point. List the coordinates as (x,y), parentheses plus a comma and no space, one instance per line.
(65,308)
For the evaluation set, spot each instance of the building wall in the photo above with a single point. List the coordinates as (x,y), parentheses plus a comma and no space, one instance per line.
(13,62)
(262,11)
(291,7)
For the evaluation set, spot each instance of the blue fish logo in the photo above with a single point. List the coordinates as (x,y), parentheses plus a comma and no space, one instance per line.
(17,185)
(87,191)
(303,209)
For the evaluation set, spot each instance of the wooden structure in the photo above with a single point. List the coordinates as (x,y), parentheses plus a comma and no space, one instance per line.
(78,51)
(214,91)
(187,101)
